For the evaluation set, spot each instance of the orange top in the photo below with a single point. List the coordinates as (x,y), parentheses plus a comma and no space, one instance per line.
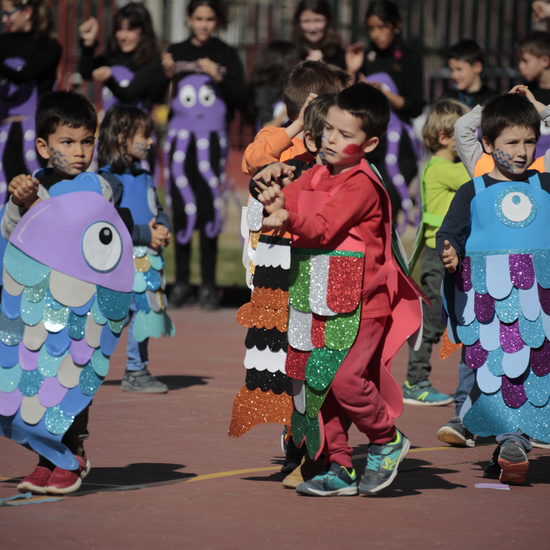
(485,165)
(272,144)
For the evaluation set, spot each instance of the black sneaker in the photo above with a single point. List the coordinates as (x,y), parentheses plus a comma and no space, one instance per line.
(182,294)
(382,464)
(455,433)
(335,482)
(142,381)
(208,297)
(492,470)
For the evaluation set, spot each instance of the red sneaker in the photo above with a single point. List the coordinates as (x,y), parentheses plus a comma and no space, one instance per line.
(62,481)
(36,481)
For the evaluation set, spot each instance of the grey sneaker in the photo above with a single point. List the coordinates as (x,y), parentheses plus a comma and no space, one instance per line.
(142,381)
(455,433)
(336,482)
(382,464)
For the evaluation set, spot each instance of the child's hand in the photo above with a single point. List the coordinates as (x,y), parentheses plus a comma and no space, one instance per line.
(276,220)
(523,90)
(450,258)
(278,172)
(88,31)
(101,74)
(210,68)
(309,99)
(271,197)
(159,234)
(541,11)
(168,64)
(24,190)
(355,56)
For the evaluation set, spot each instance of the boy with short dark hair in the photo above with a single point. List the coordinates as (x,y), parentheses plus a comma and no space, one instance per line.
(340,216)
(302,84)
(491,243)
(65,124)
(466,62)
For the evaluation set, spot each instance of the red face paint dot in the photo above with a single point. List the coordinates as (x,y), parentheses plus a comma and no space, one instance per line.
(352,149)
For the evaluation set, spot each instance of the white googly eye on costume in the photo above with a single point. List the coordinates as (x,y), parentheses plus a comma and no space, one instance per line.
(207,95)
(516,207)
(188,96)
(102,246)
(151,200)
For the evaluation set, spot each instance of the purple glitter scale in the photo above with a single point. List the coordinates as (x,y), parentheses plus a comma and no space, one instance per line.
(510,337)
(484,307)
(522,270)
(544,297)
(464,278)
(475,356)
(540,359)
(513,391)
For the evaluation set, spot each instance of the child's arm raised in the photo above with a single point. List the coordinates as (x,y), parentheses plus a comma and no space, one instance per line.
(270,143)
(467,145)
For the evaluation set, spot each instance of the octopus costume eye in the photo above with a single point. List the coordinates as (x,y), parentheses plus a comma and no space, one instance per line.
(516,207)
(152,202)
(206,95)
(188,96)
(102,246)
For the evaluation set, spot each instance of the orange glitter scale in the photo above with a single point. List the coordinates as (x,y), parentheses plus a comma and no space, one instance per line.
(252,408)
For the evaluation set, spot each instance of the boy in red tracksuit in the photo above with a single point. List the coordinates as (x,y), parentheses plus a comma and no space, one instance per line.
(347,295)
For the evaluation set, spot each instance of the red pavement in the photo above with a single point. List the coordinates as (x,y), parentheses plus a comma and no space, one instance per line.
(166,475)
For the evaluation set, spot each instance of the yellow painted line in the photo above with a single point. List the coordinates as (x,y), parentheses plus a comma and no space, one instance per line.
(232,473)
(272,469)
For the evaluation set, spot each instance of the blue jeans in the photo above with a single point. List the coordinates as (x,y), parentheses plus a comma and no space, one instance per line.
(137,354)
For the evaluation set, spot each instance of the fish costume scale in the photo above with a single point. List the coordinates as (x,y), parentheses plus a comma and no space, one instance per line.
(67,281)
(498,307)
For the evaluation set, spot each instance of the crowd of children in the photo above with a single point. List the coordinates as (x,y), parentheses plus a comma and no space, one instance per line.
(323,250)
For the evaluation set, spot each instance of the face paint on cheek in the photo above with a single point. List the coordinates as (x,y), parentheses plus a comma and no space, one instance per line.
(58,159)
(504,159)
(351,149)
(139,149)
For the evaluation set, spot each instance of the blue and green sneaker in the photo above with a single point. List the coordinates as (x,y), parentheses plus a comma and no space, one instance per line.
(424,394)
(337,481)
(382,464)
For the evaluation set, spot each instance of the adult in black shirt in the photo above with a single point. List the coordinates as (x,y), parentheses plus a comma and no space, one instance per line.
(28,63)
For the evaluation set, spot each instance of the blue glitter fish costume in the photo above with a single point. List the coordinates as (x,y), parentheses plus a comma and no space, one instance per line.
(499,308)
(64,304)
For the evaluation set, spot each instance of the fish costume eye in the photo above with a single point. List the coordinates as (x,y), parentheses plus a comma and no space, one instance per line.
(516,207)
(188,96)
(102,246)
(206,95)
